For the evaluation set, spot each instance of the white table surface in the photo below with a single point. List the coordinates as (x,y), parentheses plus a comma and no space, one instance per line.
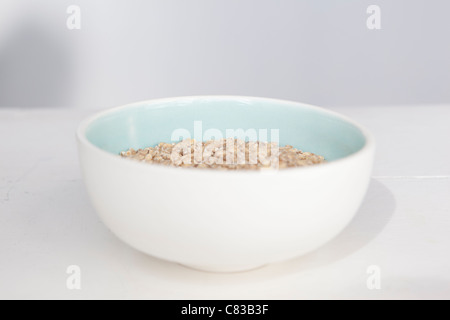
(403,226)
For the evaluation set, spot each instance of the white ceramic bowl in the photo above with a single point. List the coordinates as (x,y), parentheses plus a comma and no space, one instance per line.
(221,220)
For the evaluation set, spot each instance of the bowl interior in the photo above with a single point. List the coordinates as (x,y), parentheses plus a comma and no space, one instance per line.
(148,123)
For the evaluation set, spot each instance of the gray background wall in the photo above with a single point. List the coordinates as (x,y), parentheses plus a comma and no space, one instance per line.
(320,52)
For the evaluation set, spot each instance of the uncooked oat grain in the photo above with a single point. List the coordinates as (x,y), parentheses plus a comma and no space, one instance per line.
(224,154)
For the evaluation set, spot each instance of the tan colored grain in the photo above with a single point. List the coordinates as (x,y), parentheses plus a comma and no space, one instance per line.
(224,154)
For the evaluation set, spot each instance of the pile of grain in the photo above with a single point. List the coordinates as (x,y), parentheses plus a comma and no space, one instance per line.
(225,154)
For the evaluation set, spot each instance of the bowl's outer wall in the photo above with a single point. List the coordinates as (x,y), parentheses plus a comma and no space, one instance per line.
(224,221)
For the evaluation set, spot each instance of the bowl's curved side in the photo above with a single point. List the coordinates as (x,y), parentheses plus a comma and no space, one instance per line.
(224,222)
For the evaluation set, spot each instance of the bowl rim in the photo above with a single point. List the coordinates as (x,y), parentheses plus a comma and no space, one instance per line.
(369,143)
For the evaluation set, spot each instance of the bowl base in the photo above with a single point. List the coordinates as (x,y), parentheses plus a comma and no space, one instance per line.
(222,270)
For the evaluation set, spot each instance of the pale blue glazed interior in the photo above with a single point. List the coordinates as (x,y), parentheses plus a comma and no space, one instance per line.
(149,123)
